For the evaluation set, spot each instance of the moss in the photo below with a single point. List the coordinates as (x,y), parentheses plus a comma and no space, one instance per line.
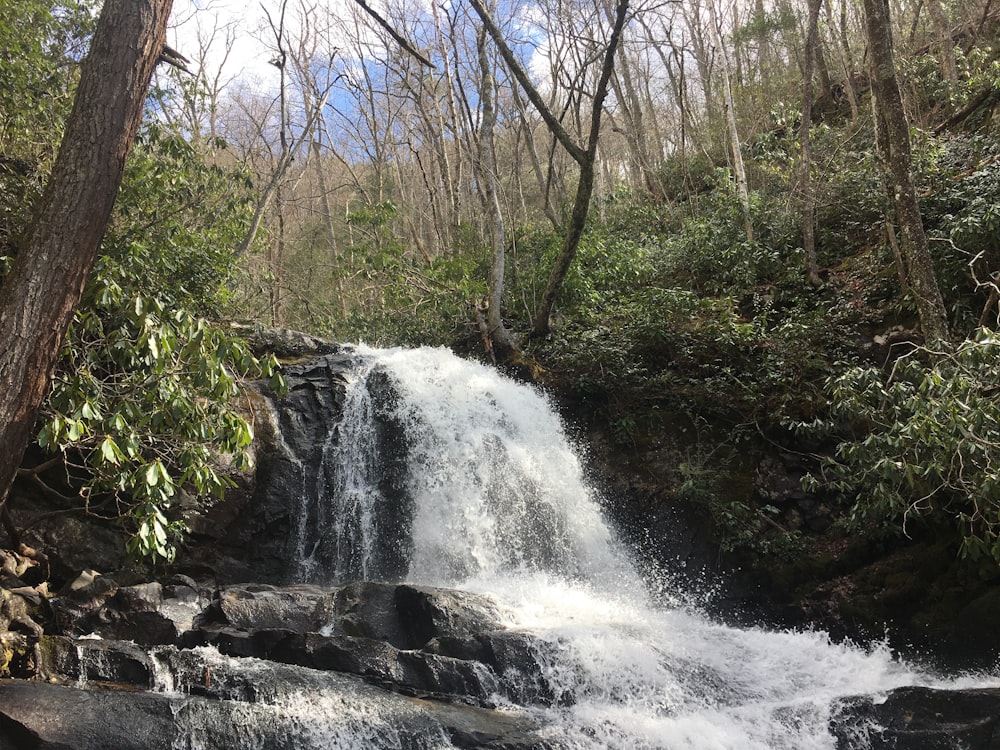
(16,656)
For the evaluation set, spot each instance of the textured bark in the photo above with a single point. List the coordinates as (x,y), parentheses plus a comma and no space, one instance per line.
(39,297)
(895,131)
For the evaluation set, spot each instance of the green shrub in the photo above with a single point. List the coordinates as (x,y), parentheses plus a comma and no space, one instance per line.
(143,405)
(144,402)
(925,444)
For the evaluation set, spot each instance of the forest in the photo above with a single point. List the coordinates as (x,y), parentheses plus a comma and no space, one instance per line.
(722,232)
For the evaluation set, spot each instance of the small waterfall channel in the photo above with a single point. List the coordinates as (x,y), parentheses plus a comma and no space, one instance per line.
(480,490)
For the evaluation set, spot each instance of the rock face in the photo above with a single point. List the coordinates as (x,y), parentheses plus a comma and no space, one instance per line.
(286,519)
(293,434)
(232,715)
(424,665)
(920,718)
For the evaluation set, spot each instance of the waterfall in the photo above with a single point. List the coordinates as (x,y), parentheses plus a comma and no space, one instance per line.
(347,494)
(496,502)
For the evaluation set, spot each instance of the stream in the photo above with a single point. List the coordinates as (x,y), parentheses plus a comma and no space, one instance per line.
(499,506)
(425,566)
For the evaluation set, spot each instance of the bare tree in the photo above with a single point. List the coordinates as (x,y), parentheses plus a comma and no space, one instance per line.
(584,156)
(496,333)
(289,142)
(805,128)
(896,138)
(201,87)
(736,152)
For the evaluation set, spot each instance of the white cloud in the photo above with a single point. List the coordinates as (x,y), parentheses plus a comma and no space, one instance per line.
(226,34)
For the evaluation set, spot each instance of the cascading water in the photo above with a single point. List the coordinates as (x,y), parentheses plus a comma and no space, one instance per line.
(497,503)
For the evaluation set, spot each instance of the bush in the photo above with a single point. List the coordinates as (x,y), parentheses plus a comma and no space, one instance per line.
(143,406)
(143,402)
(925,444)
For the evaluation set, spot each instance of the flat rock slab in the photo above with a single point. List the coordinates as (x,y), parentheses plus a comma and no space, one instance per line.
(43,716)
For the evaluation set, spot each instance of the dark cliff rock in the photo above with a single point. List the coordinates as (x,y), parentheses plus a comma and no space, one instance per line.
(260,538)
(920,718)
(283,343)
(377,644)
(293,432)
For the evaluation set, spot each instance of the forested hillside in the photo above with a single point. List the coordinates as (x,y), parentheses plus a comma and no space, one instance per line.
(732,235)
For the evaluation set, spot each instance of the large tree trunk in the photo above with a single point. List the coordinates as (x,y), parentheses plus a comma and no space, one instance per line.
(923,282)
(39,297)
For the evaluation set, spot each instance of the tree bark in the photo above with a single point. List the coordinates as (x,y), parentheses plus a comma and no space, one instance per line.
(39,297)
(923,282)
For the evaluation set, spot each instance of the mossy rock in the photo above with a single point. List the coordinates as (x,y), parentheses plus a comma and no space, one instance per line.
(17,657)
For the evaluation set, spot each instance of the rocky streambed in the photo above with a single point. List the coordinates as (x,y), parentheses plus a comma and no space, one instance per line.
(180,664)
(174,664)
(212,661)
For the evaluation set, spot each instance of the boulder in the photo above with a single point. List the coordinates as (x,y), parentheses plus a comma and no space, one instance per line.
(299,608)
(96,660)
(146,613)
(920,718)
(415,640)
(216,703)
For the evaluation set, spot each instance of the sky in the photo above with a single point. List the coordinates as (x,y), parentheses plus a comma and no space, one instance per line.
(249,57)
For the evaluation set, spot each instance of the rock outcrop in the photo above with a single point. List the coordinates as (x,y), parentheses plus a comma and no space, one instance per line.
(920,718)
(185,662)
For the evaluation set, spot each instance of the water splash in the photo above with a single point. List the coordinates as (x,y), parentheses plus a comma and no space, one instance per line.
(499,505)
(496,487)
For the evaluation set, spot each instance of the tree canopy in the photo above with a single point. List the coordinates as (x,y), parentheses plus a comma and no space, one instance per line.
(754,262)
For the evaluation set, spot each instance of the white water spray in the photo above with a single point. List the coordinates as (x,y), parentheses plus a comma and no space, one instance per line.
(500,506)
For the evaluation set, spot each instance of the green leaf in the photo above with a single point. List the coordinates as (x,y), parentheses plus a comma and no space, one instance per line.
(110,452)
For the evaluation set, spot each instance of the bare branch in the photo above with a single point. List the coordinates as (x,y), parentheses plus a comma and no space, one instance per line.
(400,40)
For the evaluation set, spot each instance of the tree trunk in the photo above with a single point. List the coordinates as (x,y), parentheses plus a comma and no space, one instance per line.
(846,59)
(503,343)
(39,297)
(585,188)
(942,28)
(806,185)
(739,169)
(585,157)
(923,282)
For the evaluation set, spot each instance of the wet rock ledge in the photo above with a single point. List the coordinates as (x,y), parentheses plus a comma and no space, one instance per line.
(152,665)
(920,718)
